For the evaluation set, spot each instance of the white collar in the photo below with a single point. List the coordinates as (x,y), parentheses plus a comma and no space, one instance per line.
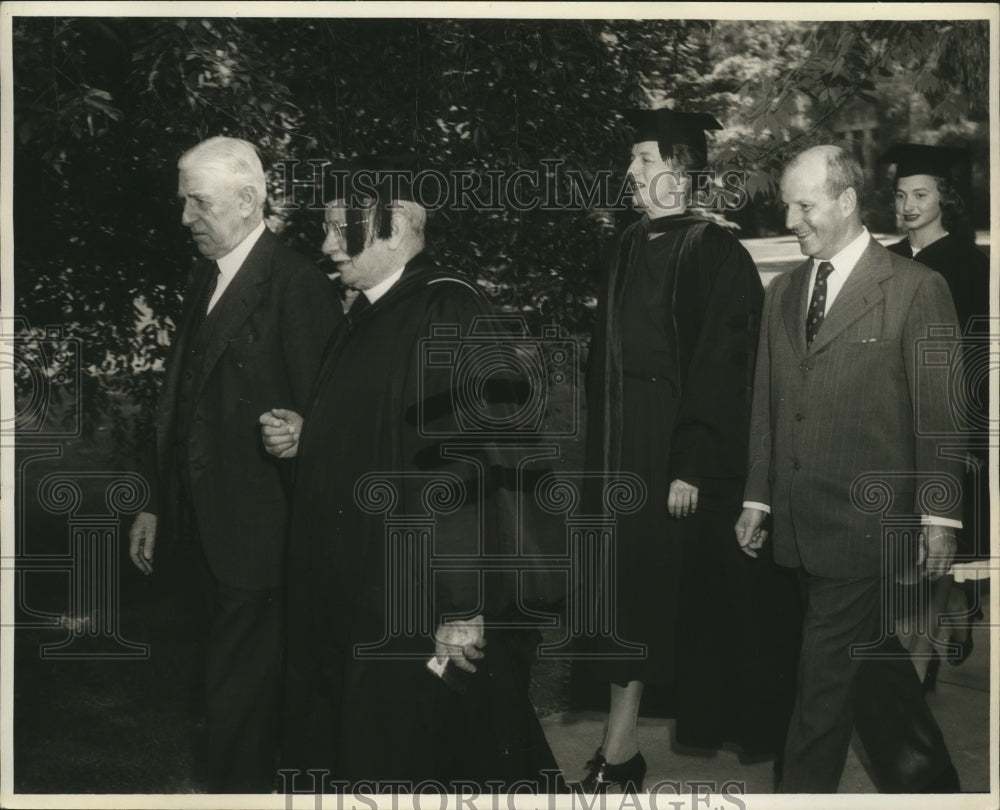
(845,260)
(230,264)
(380,289)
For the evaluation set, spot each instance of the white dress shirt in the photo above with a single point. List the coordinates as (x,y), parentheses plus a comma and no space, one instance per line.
(230,264)
(843,263)
(380,289)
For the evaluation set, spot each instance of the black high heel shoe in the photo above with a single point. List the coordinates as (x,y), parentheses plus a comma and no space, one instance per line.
(628,775)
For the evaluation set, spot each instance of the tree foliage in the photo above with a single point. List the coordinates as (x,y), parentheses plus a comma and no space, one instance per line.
(818,69)
(103,108)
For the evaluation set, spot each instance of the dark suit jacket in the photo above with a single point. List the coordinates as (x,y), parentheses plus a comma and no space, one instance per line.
(851,427)
(268,331)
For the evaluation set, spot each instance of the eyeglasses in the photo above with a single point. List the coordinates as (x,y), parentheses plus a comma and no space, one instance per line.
(339,227)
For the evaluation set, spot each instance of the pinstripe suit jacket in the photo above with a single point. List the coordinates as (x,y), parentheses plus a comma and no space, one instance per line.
(856,426)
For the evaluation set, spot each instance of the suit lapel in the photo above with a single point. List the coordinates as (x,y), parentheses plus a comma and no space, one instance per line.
(859,294)
(794,306)
(237,302)
(183,335)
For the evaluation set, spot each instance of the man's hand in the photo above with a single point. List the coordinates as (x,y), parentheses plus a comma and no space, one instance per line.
(142,537)
(461,641)
(280,430)
(682,500)
(749,533)
(937,550)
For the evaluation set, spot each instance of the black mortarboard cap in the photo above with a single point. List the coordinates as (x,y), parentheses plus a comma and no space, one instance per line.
(951,163)
(671,127)
(918,158)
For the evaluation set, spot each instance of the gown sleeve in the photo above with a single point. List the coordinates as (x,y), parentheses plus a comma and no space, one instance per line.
(455,413)
(717,310)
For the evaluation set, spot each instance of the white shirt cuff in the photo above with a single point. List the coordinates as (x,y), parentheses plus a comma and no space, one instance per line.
(930,520)
(925,520)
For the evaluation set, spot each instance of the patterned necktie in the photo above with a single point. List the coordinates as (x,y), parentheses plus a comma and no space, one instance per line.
(817,304)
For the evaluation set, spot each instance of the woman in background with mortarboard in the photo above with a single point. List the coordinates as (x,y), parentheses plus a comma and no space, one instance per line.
(929,187)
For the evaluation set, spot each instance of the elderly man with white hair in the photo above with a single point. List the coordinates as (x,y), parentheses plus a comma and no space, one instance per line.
(255,321)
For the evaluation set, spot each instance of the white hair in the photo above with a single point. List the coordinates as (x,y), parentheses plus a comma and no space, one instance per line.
(230,157)
(415,214)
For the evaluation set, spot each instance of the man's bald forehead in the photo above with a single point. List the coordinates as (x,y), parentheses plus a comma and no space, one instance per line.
(832,166)
(813,161)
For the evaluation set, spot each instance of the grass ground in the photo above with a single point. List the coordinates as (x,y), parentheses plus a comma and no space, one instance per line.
(97,724)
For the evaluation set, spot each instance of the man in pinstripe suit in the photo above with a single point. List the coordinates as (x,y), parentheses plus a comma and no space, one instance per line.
(836,392)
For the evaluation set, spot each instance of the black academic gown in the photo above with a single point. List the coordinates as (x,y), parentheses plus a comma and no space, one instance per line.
(967,272)
(668,398)
(965,269)
(370,465)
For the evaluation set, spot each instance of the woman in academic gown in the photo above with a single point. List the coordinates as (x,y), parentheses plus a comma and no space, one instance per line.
(939,235)
(669,382)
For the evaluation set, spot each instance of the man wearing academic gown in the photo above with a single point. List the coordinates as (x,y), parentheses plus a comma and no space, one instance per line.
(379,449)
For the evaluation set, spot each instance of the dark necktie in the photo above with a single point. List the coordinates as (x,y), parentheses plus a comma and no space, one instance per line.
(207,297)
(359,305)
(817,304)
